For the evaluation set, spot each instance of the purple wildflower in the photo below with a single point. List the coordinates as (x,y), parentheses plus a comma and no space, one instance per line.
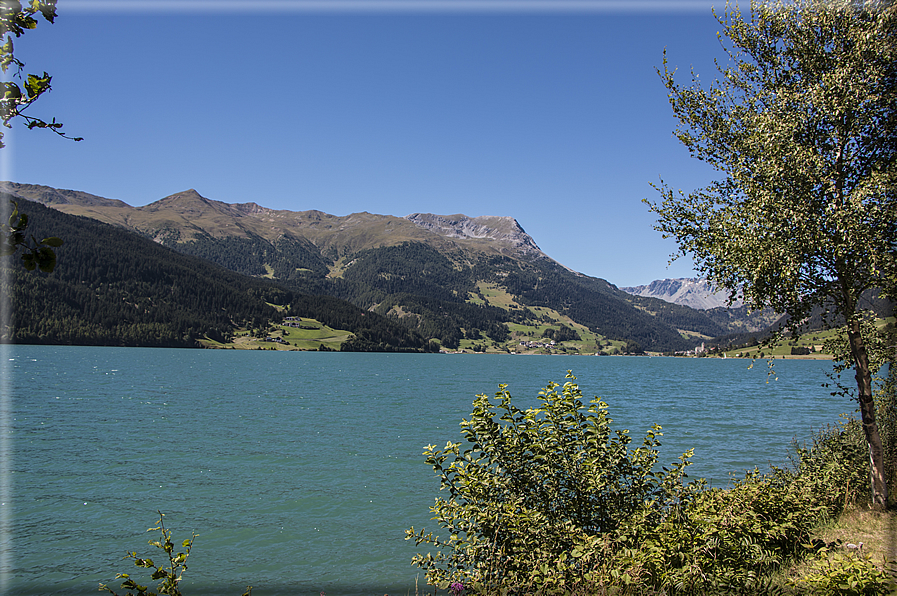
(456,588)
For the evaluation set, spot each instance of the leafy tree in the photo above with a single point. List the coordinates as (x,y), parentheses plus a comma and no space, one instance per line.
(563,333)
(802,127)
(14,21)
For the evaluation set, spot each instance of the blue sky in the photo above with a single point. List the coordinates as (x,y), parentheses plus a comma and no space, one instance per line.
(549,112)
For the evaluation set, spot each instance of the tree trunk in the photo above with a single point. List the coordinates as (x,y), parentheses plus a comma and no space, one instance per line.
(867,413)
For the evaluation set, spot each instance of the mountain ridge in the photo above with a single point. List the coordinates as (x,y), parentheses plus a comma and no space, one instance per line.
(440,275)
(193,215)
(501,228)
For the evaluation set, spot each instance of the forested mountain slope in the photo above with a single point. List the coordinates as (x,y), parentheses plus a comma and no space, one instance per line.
(113,287)
(425,271)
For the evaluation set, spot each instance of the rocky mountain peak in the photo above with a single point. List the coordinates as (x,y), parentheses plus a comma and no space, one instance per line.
(499,228)
(696,293)
(250,208)
(192,203)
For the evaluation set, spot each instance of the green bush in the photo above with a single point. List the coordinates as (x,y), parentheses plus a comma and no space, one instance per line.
(725,541)
(536,495)
(551,500)
(880,342)
(836,463)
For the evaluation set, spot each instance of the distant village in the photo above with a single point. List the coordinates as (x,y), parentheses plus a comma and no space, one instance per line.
(538,344)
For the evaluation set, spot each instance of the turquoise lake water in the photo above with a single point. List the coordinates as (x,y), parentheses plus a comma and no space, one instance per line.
(300,471)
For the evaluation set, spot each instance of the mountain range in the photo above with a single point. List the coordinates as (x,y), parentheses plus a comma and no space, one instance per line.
(443,278)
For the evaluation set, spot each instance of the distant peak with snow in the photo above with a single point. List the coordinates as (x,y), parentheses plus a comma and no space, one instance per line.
(696,293)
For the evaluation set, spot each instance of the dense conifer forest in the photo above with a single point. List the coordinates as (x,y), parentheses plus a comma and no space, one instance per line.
(112,287)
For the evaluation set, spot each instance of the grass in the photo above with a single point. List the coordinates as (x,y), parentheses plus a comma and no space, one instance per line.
(877,531)
(338,267)
(312,338)
(812,340)
(589,343)
(493,295)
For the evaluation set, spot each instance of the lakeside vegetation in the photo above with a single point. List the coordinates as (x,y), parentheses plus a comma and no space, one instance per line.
(553,500)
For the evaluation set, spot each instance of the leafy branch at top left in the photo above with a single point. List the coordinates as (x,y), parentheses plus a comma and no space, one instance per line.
(15,19)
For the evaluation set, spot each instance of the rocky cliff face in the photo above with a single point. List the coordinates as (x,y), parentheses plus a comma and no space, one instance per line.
(696,293)
(502,229)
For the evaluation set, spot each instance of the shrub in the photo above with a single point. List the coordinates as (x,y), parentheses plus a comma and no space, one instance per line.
(836,458)
(725,541)
(535,497)
(835,462)
(552,500)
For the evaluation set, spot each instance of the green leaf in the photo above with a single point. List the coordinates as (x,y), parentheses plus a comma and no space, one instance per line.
(29,262)
(160,573)
(36,85)
(10,7)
